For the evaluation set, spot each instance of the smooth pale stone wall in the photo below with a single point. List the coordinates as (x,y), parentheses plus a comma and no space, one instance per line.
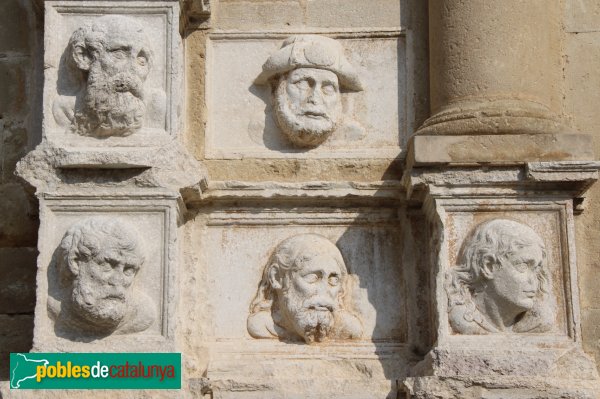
(582,56)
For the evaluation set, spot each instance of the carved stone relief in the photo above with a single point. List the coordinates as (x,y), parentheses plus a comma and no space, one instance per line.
(306,76)
(112,79)
(97,262)
(301,293)
(111,58)
(501,283)
(356,114)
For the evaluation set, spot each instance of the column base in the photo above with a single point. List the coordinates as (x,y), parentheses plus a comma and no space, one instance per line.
(492,116)
(506,148)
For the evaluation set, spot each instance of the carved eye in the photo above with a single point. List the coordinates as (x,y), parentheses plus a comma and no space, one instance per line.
(105,267)
(301,84)
(142,58)
(311,278)
(118,54)
(521,267)
(328,88)
(334,280)
(129,271)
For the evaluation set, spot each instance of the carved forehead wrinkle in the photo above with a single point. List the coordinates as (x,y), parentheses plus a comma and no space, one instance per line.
(97,235)
(302,263)
(114,30)
(321,74)
(294,251)
(121,248)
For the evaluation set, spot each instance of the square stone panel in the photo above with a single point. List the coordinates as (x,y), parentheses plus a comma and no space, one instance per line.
(237,244)
(235,265)
(240,118)
(162,86)
(152,224)
(552,223)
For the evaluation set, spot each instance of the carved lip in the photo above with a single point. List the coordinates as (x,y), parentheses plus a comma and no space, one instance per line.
(529,294)
(320,308)
(115,296)
(314,114)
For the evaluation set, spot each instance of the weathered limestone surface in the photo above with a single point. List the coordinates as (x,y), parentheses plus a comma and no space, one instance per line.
(505,282)
(472,91)
(261,118)
(133,306)
(582,38)
(268,14)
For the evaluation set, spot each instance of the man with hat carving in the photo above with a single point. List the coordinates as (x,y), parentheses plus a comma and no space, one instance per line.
(306,75)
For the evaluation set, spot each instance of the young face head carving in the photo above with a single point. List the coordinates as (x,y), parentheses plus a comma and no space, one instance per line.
(501,278)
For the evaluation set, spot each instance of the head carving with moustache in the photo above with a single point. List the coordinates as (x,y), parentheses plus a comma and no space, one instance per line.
(113,57)
(301,293)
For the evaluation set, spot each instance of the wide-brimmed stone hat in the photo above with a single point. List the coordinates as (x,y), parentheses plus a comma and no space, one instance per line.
(311,51)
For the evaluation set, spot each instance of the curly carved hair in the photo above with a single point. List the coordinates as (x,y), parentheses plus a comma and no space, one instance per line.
(499,238)
(92,239)
(92,37)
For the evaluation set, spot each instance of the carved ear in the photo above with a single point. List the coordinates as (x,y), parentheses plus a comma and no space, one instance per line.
(488,264)
(82,57)
(73,265)
(275,277)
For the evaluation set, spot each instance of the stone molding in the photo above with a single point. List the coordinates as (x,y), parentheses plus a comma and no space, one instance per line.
(242,122)
(115,178)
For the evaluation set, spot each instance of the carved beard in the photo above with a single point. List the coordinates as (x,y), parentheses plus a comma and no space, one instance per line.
(301,130)
(309,322)
(112,105)
(101,308)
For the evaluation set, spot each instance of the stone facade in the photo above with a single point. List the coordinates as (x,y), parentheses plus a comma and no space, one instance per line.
(397,196)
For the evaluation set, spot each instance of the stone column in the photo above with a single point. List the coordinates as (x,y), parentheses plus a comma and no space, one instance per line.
(495,71)
(495,66)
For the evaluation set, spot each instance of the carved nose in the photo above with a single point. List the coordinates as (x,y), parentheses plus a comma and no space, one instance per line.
(117,278)
(315,97)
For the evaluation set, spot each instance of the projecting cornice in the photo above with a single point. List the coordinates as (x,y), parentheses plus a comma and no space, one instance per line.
(195,11)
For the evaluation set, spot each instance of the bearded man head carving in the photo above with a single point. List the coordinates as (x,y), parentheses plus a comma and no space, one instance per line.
(98,261)
(301,295)
(111,59)
(306,75)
